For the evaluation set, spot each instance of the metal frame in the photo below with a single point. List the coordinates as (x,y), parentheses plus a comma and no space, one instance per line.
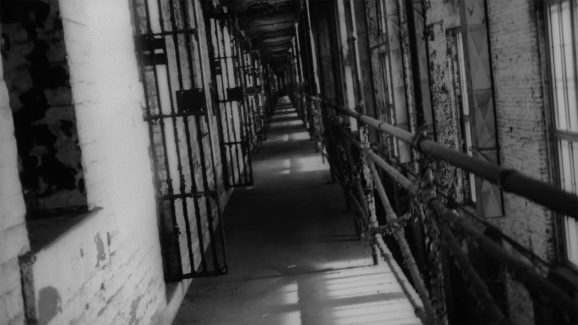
(231,112)
(459,84)
(557,135)
(422,189)
(184,202)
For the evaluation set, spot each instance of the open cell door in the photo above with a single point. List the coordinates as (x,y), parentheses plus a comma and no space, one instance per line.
(230,93)
(174,72)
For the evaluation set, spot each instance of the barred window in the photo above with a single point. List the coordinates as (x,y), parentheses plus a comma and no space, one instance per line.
(465,116)
(562,17)
(462,108)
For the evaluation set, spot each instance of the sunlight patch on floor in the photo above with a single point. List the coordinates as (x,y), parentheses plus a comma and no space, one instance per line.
(378,312)
(355,296)
(289,266)
(289,294)
(285,318)
(303,165)
(286,123)
(299,136)
(336,265)
(293,136)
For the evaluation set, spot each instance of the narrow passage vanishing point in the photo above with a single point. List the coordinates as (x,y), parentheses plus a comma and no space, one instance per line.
(294,257)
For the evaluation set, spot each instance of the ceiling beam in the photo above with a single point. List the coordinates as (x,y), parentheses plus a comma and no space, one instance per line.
(269,27)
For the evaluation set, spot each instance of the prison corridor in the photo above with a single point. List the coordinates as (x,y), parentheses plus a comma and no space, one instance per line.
(293,254)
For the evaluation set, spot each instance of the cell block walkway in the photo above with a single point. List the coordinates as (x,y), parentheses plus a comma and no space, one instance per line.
(294,258)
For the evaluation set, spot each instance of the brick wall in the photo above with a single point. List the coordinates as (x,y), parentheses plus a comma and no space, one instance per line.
(520,113)
(520,104)
(13,237)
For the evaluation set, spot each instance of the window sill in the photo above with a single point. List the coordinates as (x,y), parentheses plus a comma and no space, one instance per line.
(45,228)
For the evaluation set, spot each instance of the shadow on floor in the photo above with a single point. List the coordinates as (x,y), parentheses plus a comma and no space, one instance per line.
(294,257)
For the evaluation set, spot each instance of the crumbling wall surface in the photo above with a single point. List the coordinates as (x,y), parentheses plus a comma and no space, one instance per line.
(107,269)
(441,18)
(36,75)
(519,100)
(13,236)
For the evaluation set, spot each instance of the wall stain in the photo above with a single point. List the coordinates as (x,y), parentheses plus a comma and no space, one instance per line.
(133,309)
(49,304)
(100,253)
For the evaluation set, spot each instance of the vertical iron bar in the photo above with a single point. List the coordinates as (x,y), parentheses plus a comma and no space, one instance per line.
(221,225)
(151,128)
(174,121)
(225,103)
(213,31)
(161,119)
(401,50)
(414,60)
(429,76)
(230,84)
(239,77)
(200,136)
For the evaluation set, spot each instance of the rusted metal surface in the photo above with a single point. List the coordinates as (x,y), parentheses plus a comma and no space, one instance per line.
(446,221)
(509,180)
(404,246)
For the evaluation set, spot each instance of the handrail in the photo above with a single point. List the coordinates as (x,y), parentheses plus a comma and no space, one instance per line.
(510,180)
(523,271)
(442,220)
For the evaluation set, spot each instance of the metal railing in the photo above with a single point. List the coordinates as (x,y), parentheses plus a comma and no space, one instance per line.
(510,180)
(443,222)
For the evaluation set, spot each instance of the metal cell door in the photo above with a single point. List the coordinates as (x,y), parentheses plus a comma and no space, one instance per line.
(173,73)
(230,92)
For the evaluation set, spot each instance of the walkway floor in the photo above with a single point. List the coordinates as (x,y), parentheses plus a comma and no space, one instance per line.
(292,252)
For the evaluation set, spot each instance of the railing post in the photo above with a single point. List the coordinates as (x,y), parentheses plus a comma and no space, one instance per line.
(434,249)
(399,235)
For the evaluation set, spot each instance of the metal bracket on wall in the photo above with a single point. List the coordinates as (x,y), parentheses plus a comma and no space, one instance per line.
(191,101)
(153,49)
(235,93)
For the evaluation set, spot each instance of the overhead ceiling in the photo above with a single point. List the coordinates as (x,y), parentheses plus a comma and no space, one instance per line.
(270,24)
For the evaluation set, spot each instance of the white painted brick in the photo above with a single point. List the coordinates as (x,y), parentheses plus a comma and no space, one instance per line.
(11,305)
(10,271)
(14,242)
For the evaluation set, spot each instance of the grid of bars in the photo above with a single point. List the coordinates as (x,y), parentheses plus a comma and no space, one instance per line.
(562,18)
(180,104)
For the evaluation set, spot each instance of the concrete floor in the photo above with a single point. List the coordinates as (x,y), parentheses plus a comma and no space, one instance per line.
(292,251)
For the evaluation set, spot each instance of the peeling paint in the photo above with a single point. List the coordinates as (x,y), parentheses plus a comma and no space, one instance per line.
(37,78)
(49,304)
